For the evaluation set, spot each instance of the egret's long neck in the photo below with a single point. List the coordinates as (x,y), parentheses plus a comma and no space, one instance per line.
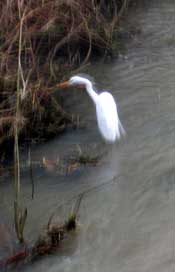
(91,92)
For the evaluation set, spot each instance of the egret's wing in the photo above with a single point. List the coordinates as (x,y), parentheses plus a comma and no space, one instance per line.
(103,123)
(107,117)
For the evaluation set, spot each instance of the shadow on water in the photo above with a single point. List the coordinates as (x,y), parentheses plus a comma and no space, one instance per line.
(128,224)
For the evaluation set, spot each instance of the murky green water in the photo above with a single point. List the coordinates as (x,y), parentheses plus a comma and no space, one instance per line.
(128,223)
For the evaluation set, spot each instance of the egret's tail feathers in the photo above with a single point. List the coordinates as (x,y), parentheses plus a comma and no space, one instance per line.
(121,129)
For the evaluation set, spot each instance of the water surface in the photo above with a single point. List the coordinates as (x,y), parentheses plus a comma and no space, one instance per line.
(128,223)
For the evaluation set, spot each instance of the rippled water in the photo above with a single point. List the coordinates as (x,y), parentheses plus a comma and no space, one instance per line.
(128,223)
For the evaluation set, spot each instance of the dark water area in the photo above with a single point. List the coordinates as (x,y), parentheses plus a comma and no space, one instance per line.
(127,215)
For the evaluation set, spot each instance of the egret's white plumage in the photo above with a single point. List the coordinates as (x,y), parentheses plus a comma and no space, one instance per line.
(106,109)
(107,117)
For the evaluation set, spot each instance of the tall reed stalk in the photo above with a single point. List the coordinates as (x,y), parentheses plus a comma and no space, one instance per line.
(20,214)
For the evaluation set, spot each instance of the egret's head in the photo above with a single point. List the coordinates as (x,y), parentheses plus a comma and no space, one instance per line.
(77,81)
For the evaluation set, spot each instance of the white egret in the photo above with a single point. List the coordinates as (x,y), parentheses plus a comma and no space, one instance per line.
(108,120)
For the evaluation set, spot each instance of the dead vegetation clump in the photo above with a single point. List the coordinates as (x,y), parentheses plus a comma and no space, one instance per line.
(57,36)
(51,237)
(48,242)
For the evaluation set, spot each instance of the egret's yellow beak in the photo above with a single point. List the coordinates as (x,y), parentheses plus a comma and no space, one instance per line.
(64,84)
